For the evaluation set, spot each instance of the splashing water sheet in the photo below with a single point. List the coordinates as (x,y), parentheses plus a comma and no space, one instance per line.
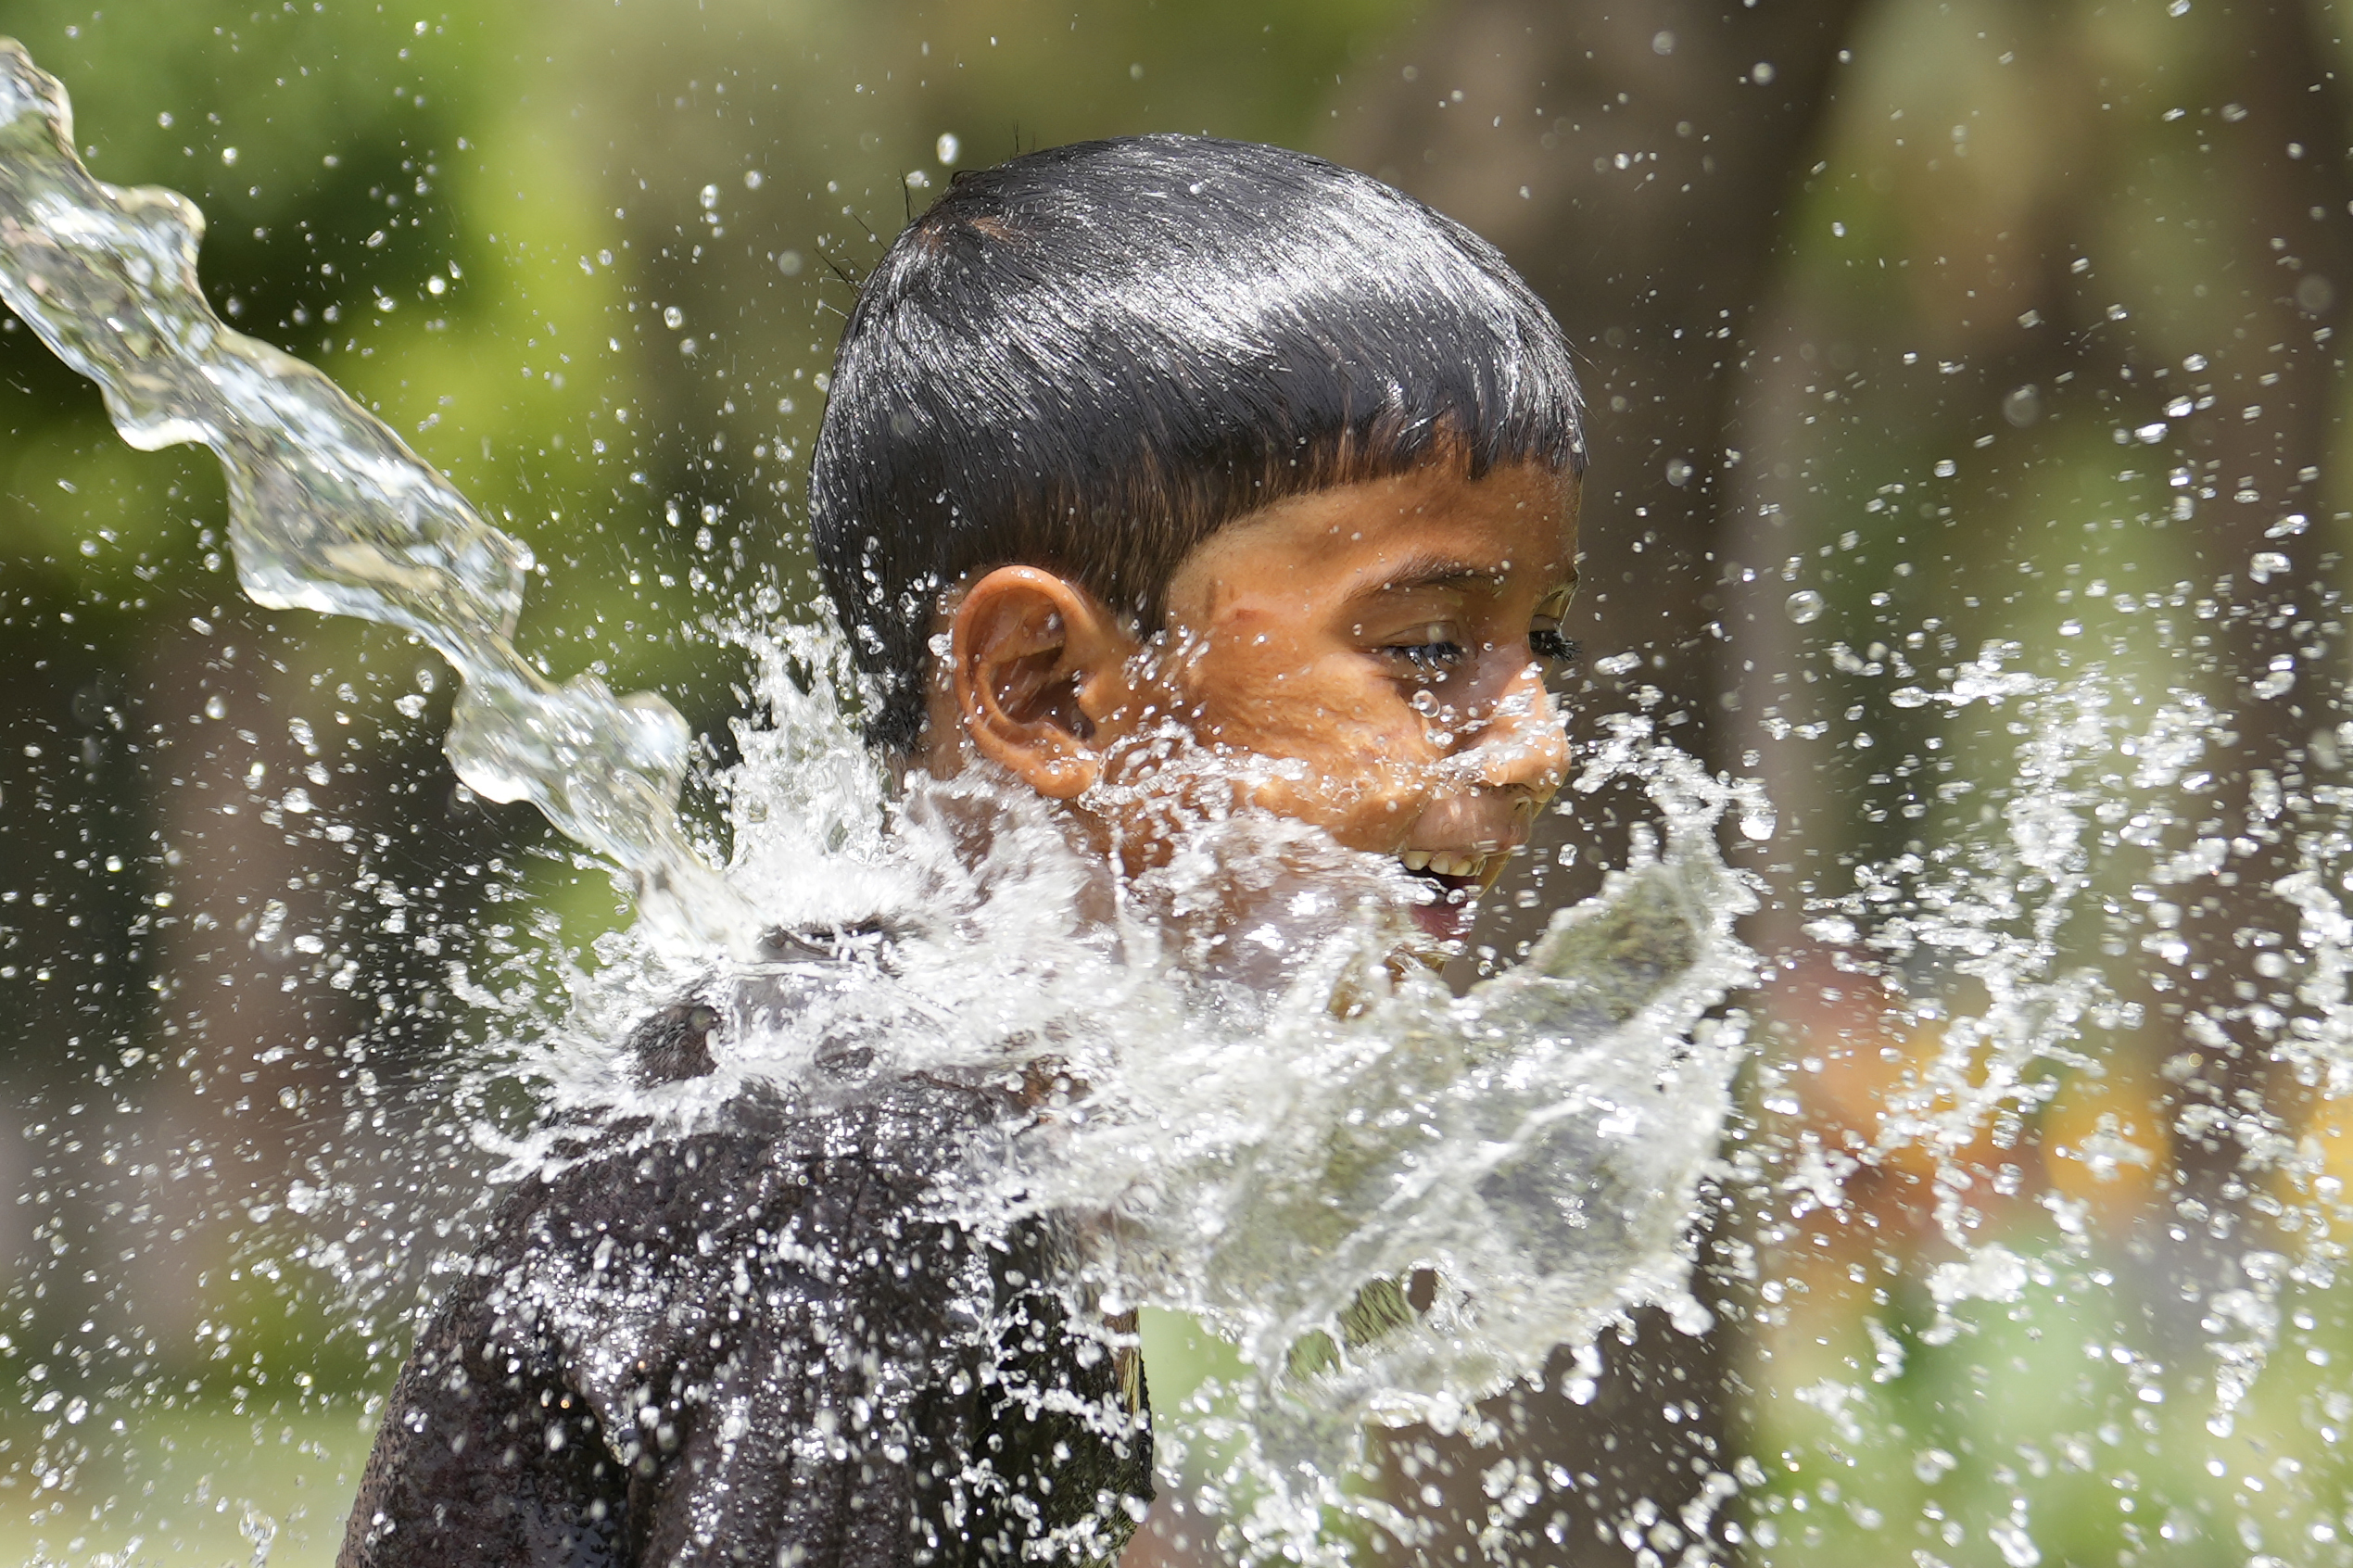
(1395,1202)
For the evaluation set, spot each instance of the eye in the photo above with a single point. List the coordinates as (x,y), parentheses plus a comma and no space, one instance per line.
(1439,653)
(1546,643)
(1544,631)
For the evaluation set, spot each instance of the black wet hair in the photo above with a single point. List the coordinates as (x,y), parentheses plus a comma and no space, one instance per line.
(1093,356)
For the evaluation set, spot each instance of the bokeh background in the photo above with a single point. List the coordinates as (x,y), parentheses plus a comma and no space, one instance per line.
(1907,325)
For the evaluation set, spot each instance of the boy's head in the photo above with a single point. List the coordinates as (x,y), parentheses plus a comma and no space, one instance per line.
(1095,361)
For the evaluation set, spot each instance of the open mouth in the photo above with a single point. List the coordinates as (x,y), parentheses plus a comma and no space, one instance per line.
(1458,876)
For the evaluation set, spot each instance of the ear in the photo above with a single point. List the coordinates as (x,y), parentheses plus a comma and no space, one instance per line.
(1039,677)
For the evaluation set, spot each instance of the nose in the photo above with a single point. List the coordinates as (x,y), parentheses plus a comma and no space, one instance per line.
(1522,746)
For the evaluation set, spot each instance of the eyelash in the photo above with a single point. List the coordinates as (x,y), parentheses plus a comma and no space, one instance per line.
(1548,644)
(1429,655)
(1544,643)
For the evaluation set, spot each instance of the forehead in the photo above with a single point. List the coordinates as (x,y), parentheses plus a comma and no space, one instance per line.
(1515,527)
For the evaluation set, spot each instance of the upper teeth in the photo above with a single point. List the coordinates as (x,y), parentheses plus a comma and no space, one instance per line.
(1444,863)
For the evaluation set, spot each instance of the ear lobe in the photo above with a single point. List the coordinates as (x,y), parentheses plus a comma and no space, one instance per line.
(1036,664)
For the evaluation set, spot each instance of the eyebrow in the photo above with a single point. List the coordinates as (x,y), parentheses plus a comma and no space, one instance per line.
(1427,571)
(1434,571)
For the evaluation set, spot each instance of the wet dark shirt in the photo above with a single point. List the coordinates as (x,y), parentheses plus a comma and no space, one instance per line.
(765,1342)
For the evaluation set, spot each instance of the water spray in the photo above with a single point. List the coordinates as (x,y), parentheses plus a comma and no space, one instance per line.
(329,511)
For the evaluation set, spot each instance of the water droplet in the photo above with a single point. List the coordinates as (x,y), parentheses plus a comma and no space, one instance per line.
(673,318)
(948,147)
(215,708)
(2016,1544)
(1805,605)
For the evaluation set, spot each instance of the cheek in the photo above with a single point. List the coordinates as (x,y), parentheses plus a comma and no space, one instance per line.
(1361,756)
(1372,808)
(1292,707)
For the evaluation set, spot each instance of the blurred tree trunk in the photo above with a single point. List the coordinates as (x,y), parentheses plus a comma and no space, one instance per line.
(1638,180)
(1634,162)
(2256,461)
(2245,319)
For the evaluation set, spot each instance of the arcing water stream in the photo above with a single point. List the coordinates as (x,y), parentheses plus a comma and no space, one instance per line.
(327,510)
(2002,1300)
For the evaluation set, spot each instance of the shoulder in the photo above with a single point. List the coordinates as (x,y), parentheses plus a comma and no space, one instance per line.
(859,1188)
(798,1081)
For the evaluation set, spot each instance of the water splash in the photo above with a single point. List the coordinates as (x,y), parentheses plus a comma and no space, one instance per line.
(1396,1202)
(1984,1037)
(328,509)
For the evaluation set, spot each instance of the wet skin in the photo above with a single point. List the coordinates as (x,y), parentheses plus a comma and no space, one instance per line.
(1384,637)
(1369,659)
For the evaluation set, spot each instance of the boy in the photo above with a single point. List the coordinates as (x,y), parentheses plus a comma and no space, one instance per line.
(1159,478)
